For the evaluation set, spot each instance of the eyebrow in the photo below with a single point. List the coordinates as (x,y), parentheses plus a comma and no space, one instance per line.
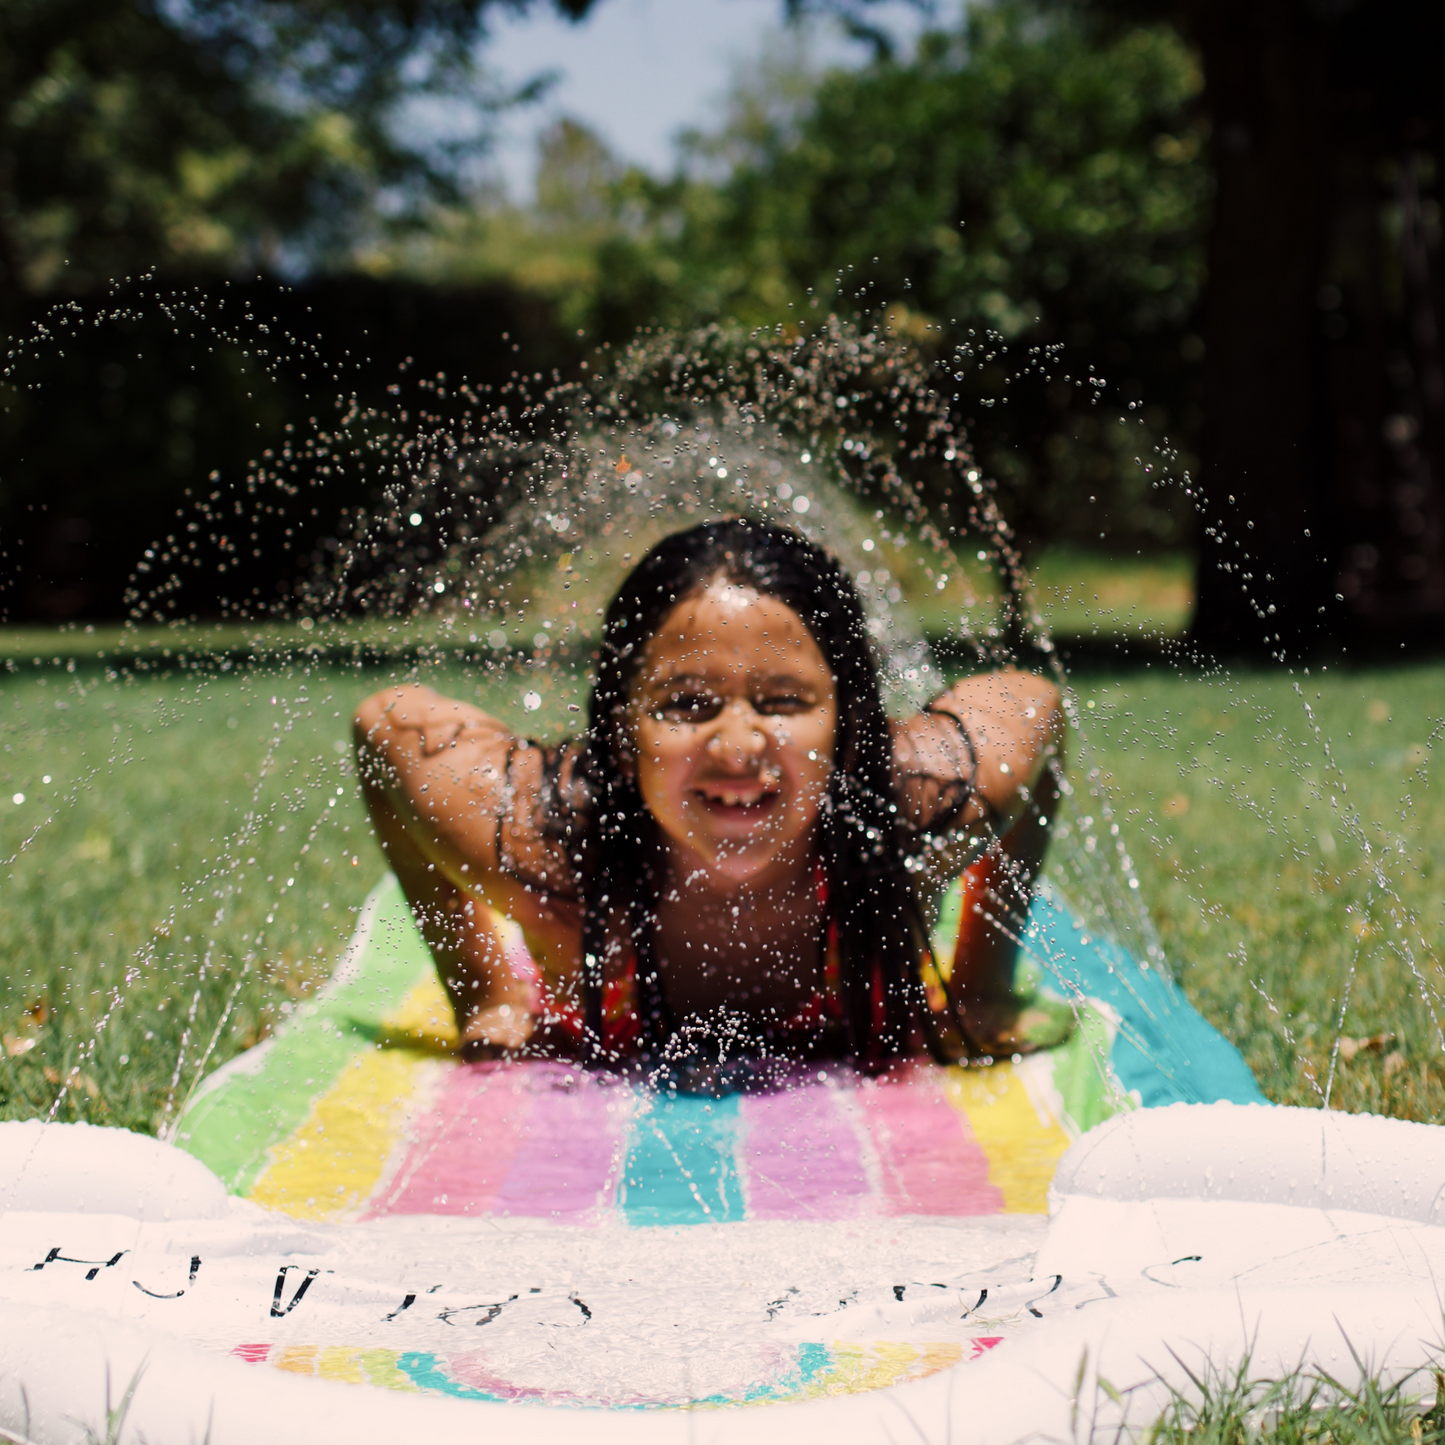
(700,679)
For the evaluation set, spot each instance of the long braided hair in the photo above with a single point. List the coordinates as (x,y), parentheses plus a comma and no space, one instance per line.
(879,928)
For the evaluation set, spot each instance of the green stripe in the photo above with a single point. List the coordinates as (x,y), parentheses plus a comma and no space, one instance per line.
(233,1127)
(1087,1089)
(945,931)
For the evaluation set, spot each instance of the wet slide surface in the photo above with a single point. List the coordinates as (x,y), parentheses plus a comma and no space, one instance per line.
(833,1234)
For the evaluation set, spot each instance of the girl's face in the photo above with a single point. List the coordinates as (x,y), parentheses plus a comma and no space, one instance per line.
(733,720)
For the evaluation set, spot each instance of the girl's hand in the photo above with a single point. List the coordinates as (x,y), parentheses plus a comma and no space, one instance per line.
(1015,721)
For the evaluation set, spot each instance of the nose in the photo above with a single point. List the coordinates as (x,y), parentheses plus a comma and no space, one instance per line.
(737,739)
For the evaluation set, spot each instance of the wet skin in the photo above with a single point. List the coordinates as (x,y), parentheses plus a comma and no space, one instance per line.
(731,730)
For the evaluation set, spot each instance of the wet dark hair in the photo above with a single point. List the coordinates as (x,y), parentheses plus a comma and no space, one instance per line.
(880,933)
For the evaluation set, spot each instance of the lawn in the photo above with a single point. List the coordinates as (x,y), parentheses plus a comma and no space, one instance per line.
(1290,847)
(188,853)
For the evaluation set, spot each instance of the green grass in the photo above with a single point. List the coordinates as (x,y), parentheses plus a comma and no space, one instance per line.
(1078,594)
(1290,848)
(187,861)
(1304,1409)
(187,873)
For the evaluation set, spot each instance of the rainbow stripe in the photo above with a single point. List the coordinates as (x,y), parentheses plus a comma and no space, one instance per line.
(401,1132)
(806,1371)
(359,1109)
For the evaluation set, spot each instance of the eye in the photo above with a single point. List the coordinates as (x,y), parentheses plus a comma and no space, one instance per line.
(782,704)
(690,707)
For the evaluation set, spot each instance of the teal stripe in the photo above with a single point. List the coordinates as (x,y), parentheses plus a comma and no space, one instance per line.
(1164,1049)
(426,1373)
(681,1162)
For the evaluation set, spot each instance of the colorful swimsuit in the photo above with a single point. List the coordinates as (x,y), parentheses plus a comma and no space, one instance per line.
(532,847)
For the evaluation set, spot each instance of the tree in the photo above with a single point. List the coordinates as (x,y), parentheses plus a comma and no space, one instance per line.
(1016,185)
(1324,397)
(1324,390)
(221,133)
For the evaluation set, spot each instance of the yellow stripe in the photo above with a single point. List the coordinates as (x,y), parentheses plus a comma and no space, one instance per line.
(890,1364)
(381,1369)
(424,1021)
(348,1363)
(1022,1151)
(936,1357)
(876,1365)
(336,1158)
(341,1362)
(297,1359)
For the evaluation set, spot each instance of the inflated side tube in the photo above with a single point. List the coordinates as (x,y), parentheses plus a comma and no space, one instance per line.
(1261,1154)
(75,1368)
(84,1169)
(1095,1369)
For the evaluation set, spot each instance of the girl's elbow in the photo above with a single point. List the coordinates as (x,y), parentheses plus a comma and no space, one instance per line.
(1052,715)
(368,717)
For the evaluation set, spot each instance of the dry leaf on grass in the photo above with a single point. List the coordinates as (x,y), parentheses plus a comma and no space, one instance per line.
(1351,1049)
(73,1080)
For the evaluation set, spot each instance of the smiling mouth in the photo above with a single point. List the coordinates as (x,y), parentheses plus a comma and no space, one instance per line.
(746,802)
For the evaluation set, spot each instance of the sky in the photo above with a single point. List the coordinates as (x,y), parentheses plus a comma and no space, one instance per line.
(638,71)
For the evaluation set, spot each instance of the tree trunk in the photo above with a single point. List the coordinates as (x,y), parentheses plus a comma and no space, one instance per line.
(1260,580)
(1324,390)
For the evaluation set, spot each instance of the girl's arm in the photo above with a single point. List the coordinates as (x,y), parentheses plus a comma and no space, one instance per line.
(1015,723)
(463,784)
(458,802)
(993,734)
(969,765)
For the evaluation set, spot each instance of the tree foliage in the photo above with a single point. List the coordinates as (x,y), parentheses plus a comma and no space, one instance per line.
(136,134)
(1019,178)
(1020,184)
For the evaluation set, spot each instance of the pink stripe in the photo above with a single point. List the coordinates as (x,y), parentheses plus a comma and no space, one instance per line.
(565,1165)
(930,1161)
(800,1157)
(465,1146)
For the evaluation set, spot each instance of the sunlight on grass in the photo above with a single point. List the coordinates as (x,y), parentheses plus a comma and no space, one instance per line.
(1082,594)
(1298,899)
(185,855)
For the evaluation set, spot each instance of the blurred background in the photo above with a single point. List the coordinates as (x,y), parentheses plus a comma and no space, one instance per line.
(1226,213)
(1176,268)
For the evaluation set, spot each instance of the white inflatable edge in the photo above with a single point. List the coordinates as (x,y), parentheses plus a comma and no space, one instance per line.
(63,1372)
(1264,1154)
(85,1169)
(57,1365)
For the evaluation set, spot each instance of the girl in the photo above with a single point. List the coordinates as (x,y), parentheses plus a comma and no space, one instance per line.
(741,846)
